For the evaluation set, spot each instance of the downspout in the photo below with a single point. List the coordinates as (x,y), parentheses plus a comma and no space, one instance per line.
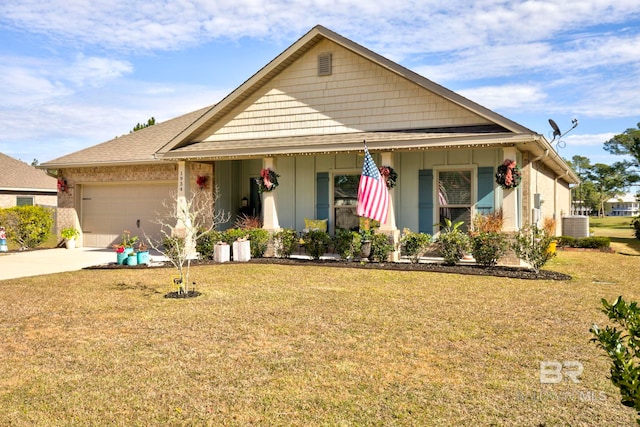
(533,165)
(555,195)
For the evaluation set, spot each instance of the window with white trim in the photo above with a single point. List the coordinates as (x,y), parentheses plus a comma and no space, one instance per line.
(24,201)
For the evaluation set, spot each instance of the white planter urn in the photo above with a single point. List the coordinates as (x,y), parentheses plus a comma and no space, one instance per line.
(70,243)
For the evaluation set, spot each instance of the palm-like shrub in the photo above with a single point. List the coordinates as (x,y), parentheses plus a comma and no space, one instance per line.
(452,242)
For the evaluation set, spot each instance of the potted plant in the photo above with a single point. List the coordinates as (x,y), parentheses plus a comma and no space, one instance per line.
(132,258)
(125,247)
(143,253)
(69,235)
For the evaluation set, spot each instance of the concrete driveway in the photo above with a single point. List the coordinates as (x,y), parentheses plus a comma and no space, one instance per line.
(47,261)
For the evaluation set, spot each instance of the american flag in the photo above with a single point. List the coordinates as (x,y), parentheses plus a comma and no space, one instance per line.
(373,196)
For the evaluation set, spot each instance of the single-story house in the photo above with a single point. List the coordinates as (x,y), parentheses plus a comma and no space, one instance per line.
(623,205)
(305,115)
(23,185)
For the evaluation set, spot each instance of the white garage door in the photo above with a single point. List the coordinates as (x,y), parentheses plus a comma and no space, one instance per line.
(108,210)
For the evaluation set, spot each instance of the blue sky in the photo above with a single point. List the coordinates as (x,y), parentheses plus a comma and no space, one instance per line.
(74,73)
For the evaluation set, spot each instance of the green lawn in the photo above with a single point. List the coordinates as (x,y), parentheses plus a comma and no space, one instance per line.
(291,345)
(619,230)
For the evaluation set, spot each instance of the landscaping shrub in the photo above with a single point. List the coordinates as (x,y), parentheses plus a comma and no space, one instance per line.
(347,243)
(599,242)
(491,222)
(259,240)
(233,234)
(452,242)
(317,243)
(285,242)
(531,244)
(566,242)
(380,247)
(205,244)
(414,245)
(635,224)
(27,226)
(622,346)
(488,247)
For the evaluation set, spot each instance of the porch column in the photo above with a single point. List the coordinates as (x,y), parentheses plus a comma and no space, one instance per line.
(509,199)
(183,221)
(269,205)
(390,228)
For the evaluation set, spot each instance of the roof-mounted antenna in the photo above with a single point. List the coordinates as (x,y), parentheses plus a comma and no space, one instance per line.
(557,134)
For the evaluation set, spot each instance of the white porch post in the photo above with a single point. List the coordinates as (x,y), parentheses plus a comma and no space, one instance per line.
(390,228)
(269,205)
(183,221)
(509,199)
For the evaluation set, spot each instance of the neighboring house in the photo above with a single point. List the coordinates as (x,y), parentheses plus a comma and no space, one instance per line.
(305,115)
(623,205)
(23,185)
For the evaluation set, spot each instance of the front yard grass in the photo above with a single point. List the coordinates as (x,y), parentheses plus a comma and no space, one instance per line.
(287,345)
(619,230)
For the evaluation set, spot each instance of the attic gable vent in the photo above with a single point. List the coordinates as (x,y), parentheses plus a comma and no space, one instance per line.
(324,64)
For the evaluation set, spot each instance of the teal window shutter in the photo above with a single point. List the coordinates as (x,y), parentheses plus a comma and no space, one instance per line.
(485,191)
(322,195)
(425,201)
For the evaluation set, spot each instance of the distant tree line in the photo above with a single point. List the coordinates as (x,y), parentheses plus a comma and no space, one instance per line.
(600,182)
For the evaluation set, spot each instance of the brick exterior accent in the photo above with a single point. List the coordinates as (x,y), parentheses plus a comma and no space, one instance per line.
(67,212)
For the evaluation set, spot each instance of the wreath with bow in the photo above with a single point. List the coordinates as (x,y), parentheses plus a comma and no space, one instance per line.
(62,185)
(508,174)
(268,180)
(390,176)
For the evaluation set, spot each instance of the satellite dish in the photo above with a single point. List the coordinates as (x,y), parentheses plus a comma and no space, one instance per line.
(556,129)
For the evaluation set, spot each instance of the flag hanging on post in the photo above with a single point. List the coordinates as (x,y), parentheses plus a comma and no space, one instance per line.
(373,196)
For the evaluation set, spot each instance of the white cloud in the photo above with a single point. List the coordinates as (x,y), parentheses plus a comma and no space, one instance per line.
(410,26)
(588,140)
(521,97)
(94,71)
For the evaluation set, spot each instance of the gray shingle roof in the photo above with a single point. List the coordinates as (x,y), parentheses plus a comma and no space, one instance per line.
(136,147)
(17,174)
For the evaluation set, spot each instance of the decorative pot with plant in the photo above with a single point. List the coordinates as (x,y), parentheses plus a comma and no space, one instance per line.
(69,235)
(143,253)
(125,247)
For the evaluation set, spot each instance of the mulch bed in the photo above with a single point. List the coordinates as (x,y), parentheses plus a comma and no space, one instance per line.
(468,269)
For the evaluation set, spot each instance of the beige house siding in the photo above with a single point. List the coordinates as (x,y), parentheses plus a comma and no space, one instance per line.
(10,200)
(556,194)
(358,96)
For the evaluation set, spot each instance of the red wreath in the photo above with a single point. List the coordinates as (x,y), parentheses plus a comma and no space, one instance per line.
(201,180)
(62,185)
